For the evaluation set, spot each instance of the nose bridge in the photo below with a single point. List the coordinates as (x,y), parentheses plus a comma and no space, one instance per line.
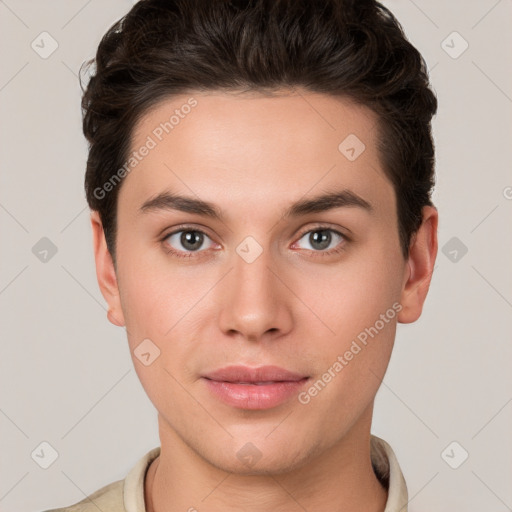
(253,281)
(253,302)
(252,273)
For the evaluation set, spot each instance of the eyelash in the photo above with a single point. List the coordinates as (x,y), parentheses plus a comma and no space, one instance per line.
(181,254)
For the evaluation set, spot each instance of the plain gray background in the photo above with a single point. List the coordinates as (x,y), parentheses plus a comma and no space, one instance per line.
(66,374)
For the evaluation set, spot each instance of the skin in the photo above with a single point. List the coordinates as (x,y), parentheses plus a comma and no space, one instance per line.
(253,156)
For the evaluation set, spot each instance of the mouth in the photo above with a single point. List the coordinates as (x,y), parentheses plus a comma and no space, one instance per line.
(266,383)
(261,375)
(254,388)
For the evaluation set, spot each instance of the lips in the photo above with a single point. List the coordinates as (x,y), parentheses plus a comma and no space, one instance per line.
(260,388)
(264,375)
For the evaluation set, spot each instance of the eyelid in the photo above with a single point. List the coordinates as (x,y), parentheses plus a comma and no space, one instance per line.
(318,226)
(166,232)
(325,227)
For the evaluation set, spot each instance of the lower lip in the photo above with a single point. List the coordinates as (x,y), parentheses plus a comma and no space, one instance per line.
(252,396)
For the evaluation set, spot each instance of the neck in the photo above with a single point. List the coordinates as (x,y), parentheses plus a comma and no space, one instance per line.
(339,478)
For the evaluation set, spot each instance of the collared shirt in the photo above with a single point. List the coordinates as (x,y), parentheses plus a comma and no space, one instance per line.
(128,495)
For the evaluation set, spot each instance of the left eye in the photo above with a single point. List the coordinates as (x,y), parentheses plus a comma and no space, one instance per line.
(321,238)
(190,240)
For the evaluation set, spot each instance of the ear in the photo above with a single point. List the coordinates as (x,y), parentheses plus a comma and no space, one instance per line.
(105,272)
(419,267)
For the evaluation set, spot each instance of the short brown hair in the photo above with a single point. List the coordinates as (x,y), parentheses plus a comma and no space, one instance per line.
(351,48)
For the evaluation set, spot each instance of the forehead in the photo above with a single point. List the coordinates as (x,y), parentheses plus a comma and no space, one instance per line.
(250,149)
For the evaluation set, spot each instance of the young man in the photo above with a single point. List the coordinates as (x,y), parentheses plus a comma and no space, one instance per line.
(259,177)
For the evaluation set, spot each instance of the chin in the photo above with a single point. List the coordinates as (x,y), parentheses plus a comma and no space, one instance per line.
(247,459)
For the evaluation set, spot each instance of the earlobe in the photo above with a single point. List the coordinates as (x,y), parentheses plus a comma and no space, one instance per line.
(419,267)
(105,272)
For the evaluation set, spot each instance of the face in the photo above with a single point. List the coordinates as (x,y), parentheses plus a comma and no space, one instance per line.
(278,277)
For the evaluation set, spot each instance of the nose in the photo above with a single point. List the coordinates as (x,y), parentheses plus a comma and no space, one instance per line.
(255,301)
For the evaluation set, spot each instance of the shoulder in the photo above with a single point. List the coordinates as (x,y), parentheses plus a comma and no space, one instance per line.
(106,499)
(120,495)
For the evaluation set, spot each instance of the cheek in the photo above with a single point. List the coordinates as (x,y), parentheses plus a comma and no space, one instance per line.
(155,294)
(162,308)
(359,303)
(362,312)
(353,296)
(170,307)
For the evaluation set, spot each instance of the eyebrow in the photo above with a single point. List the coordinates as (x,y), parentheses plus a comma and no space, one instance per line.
(321,203)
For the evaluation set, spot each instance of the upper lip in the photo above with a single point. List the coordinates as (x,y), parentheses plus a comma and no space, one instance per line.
(247,374)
